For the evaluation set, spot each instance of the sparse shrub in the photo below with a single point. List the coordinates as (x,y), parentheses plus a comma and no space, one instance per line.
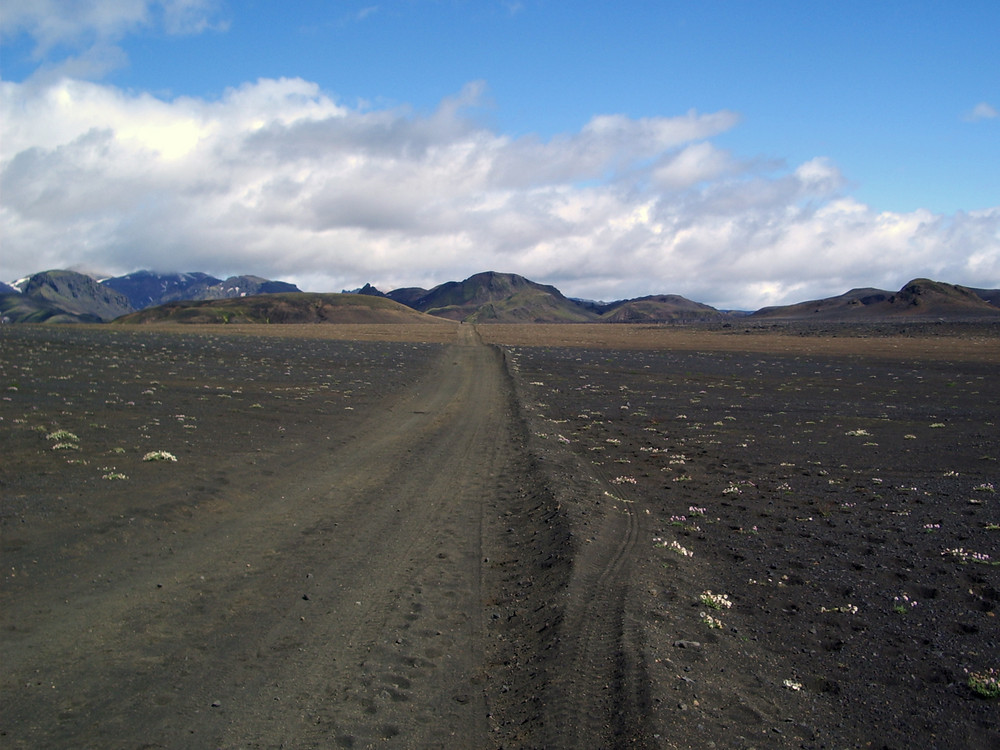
(713,622)
(62,436)
(159,456)
(985,684)
(715,601)
(675,546)
(964,555)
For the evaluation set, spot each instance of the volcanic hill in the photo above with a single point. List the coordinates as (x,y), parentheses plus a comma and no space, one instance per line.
(297,307)
(919,299)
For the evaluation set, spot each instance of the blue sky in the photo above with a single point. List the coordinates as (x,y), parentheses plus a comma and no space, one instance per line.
(738,153)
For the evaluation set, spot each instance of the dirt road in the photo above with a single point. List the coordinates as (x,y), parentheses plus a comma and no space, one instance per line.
(330,598)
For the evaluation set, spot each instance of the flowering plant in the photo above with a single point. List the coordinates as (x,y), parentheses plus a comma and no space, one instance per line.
(159,456)
(716,601)
(713,622)
(985,684)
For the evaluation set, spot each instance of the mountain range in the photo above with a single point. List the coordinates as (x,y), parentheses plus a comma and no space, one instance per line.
(71,297)
(489,297)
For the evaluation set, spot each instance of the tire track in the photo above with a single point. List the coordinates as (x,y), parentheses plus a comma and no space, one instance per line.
(596,690)
(598,700)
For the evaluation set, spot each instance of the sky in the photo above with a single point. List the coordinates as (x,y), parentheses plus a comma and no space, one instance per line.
(738,153)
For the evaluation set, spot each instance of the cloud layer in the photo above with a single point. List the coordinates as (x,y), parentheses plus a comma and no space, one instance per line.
(279,179)
(80,38)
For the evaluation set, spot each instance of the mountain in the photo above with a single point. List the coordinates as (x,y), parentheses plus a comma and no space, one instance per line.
(920,298)
(408,296)
(489,297)
(70,297)
(248,286)
(493,297)
(148,288)
(64,296)
(663,308)
(287,307)
(990,295)
(17,308)
(367,289)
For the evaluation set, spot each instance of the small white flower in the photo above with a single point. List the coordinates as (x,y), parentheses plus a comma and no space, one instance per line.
(715,601)
(159,456)
(713,622)
(62,436)
(674,546)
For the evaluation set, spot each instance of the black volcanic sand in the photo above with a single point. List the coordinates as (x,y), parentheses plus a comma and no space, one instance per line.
(227,403)
(819,495)
(402,544)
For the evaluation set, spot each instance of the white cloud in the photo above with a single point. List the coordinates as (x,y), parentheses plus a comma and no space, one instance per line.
(73,22)
(982,111)
(279,179)
(819,176)
(83,34)
(692,165)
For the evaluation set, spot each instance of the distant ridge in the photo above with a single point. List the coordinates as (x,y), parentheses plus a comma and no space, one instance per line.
(148,288)
(488,297)
(63,297)
(297,307)
(492,297)
(662,308)
(918,299)
(990,295)
(366,289)
(71,297)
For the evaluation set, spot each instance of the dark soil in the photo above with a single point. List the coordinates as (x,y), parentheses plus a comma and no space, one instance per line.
(821,495)
(408,544)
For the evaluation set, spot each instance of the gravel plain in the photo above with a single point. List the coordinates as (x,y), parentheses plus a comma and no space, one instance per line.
(503,536)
